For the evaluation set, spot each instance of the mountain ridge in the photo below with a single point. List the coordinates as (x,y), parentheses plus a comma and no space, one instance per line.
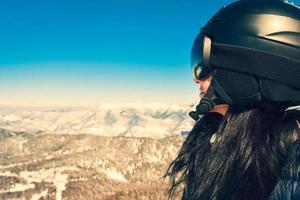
(137,120)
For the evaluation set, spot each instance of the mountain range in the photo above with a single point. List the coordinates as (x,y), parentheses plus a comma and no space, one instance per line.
(134,120)
(109,152)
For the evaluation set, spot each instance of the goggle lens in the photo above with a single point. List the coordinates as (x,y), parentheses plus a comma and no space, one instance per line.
(200,57)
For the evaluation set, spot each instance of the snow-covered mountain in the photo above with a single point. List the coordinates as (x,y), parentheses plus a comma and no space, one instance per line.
(137,120)
(83,166)
(105,152)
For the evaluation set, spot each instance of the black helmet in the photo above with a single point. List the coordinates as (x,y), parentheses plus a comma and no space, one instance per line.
(252,48)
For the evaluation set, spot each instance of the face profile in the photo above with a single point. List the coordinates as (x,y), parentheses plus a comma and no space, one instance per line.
(203,85)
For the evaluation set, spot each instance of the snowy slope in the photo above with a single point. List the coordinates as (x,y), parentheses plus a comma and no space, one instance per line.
(137,120)
(80,167)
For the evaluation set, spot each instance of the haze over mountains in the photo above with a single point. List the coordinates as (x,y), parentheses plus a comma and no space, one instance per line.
(135,120)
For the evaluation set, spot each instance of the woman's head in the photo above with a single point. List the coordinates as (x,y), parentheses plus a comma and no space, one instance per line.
(252,50)
(246,56)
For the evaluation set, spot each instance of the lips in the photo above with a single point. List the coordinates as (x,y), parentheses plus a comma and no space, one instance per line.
(201,93)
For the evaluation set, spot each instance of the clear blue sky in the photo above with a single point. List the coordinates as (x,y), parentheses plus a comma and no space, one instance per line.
(96,51)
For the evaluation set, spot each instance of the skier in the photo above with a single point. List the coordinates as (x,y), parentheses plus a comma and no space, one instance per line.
(246,145)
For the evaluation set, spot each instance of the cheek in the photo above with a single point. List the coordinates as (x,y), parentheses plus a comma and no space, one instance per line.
(206,85)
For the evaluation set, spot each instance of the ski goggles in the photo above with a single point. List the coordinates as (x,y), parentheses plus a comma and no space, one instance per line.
(200,57)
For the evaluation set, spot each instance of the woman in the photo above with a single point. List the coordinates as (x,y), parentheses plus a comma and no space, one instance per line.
(246,146)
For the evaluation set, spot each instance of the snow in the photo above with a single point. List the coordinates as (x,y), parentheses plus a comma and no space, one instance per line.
(18,187)
(21,146)
(55,176)
(8,174)
(47,157)
(115,175)
(130,169)
(60,183)
(42,195)
(11,118)
(133,120)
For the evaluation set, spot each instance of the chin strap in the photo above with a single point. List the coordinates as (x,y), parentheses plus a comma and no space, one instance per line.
(206,104)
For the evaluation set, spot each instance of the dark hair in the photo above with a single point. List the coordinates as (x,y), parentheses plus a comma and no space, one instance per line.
(250,151)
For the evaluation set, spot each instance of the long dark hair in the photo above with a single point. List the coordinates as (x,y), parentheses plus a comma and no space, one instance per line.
(240,156)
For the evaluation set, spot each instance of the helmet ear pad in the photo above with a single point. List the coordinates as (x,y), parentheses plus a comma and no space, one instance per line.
(236,88)
(283,93)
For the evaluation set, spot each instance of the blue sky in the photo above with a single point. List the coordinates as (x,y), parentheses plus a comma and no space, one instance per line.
(96,51)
